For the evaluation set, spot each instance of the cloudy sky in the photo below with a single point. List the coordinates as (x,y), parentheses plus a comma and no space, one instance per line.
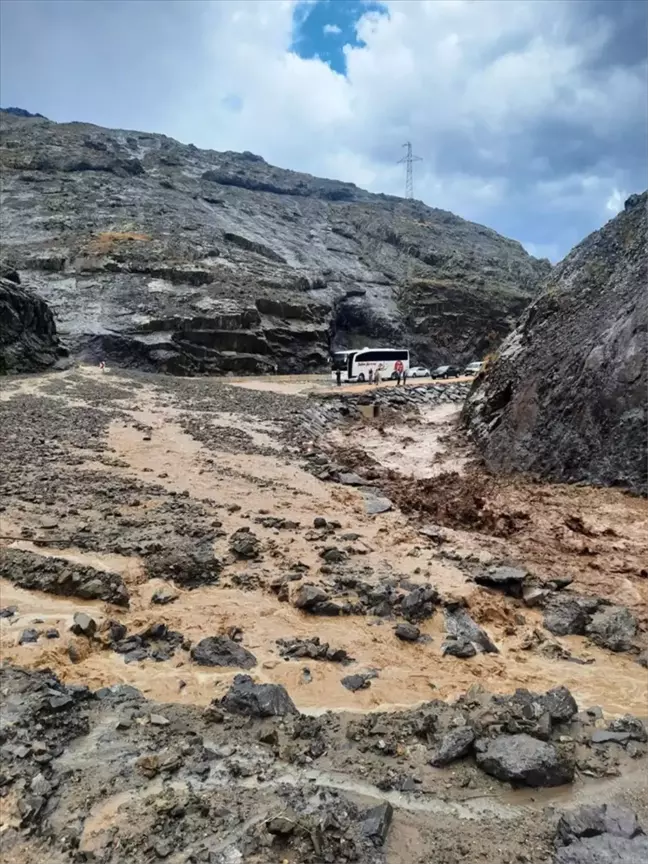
(529,115)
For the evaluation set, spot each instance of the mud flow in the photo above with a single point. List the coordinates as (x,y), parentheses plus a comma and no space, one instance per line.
(402,616)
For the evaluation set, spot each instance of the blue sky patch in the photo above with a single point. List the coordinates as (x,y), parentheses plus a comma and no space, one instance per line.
(322,28)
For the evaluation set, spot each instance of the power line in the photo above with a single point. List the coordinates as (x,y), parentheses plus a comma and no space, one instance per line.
(408,159)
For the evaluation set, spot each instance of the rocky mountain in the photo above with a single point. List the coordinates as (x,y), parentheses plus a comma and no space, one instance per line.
(28,340)
(566,394)
(157,254)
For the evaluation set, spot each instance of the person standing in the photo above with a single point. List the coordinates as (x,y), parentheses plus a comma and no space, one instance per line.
(338,377)
(371,375)
(405,371)
(377,376)
(398,369)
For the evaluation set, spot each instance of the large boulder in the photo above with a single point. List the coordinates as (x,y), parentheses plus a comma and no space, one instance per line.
(524,760)
(28,340)
(566,394)
(613,627)
(257,700)
(222,651)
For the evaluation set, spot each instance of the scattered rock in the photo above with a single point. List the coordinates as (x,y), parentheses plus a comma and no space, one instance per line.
(455,744)
(565,615)
(257,700)
(83,625)
(319,522)
(632,725)
(244,544)
(407,632)
(604,736)
(158,720)
(524,760)
(8,611)
(27,636)
(458,647)
(357,682)
(613,627)
(312,598)
(507,579)
(602,834)
(313,649)
(419,603)
(222,651)
(376,821)
(560,704)
(52,633)
(350,479)
(333,555)
(460,625)
(375,504)
(163,596)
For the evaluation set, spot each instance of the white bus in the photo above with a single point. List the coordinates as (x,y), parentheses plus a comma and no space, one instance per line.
(355,365)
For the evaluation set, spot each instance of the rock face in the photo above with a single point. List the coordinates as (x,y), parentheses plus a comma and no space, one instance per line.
(28,340)
(162,256)
(565,396)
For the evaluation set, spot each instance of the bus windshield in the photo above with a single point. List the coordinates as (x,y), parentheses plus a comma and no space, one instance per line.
(340,360)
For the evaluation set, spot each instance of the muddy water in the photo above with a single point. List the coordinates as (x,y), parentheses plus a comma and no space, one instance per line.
(408,674)
(414,450)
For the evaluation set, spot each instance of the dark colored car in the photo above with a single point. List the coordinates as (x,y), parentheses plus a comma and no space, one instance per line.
(446,372)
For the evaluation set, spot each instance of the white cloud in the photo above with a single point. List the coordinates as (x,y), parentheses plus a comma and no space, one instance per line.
(332,29)
(529,116)
(615,202)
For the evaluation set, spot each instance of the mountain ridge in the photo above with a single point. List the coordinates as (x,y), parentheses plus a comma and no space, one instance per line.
(157,254)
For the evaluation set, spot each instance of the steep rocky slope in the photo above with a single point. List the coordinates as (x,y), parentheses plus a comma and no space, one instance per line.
(28,340)
(160,255)
(566,396)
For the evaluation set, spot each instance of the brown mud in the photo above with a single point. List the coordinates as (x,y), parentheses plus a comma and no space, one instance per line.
(105,470)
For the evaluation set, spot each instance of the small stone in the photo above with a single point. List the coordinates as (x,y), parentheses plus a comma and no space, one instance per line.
(28,636)
(163,596)
(376,821)
(455,744)
(83,625)
(356,682)
(375,504)
(158,720)
(407,632)
(73,653)
(281,825)
(605,736)
(8,611)
(52,633)
(319,522)
(458,648)
(40,786)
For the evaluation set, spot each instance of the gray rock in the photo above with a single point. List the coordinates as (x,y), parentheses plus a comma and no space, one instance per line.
(605,736)
(59,576)
(566,395)
(565,615)
(333,555)
(534,595)
(244,544)
(642,659)
(560,704)
(319,522)
(507,579)
(222,651)
(349,479)
(27,636)
(307,596)
(407,632)
(163,596)
(8,611)
(524,760)
(613,627)
(632,725)
(257,700)
(375,504)
(28,338)
(604,849)
(455,744)
(376,821)
(419,603)
(158,720)
(460,625)
(458,647)
(589,821)
(83,625)
(356,682)
(52,633)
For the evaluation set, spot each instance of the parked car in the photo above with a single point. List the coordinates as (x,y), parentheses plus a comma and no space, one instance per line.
(419,372)
(446,372)
(473,369)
